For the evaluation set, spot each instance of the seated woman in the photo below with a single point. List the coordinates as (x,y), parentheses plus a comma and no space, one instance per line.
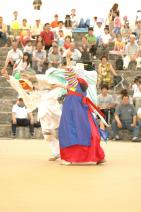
(79,135)
(23,64)
(105,72)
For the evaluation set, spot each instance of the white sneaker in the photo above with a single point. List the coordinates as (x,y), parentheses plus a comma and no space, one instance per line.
(135,139)
(64,162)
(54,158)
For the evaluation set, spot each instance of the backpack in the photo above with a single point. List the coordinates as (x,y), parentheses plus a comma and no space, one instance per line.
(119,64)
(117,80)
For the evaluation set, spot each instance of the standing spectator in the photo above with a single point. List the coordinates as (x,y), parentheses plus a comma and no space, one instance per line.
(125,118)
(74,18)
(48,36)
(39,58)
(111,16)
(117,24)
(3,31)
(13,55)
(21,117)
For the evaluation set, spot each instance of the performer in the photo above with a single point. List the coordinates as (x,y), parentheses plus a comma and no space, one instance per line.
(79,135)
(43,94)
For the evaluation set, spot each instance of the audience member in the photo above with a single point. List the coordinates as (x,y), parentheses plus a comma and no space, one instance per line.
(39,58)
(3,32)
(125,118)
(105,72)
(13,55)
(21,117)
(48,36)
(106,103)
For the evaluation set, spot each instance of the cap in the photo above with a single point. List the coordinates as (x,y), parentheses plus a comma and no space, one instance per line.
(99,20)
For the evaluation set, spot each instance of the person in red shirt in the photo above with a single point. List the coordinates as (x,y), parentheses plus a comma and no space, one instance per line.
(54,23)
(48,36)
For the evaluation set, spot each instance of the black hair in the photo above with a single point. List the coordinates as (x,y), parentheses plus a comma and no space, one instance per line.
(104,86)
(46,24)
(28,55)
(125,95)
(124,92)
(20,99)
(68,22)
(90,29)
(83,86)
(104,56)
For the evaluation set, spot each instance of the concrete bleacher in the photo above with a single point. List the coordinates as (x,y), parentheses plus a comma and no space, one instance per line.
(8,94)
(8,97)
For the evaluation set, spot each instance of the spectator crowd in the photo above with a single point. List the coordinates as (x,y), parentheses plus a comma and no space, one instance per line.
(45,45)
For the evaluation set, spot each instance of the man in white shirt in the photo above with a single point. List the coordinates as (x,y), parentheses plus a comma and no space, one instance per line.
(21,117)
(13,55)
(36,29)
(131,53)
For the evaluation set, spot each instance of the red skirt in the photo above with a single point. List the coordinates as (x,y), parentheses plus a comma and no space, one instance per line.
(83,154)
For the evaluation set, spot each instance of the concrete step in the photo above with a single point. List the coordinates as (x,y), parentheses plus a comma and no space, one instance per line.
(4,51)
(6,104)
(5,117)
(4,82)
(2,57)
(8,93)
(22,132)
(2,63)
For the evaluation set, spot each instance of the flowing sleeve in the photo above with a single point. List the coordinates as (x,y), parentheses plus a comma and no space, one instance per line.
(30,99)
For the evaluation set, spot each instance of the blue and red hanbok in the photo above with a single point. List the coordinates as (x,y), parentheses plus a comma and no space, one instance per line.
(79,134)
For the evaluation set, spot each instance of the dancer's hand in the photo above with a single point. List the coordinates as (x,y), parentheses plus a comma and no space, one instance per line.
(133,125)
(119,124)
(5,73)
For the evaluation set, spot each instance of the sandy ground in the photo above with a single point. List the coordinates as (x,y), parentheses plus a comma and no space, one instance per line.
(30,183)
